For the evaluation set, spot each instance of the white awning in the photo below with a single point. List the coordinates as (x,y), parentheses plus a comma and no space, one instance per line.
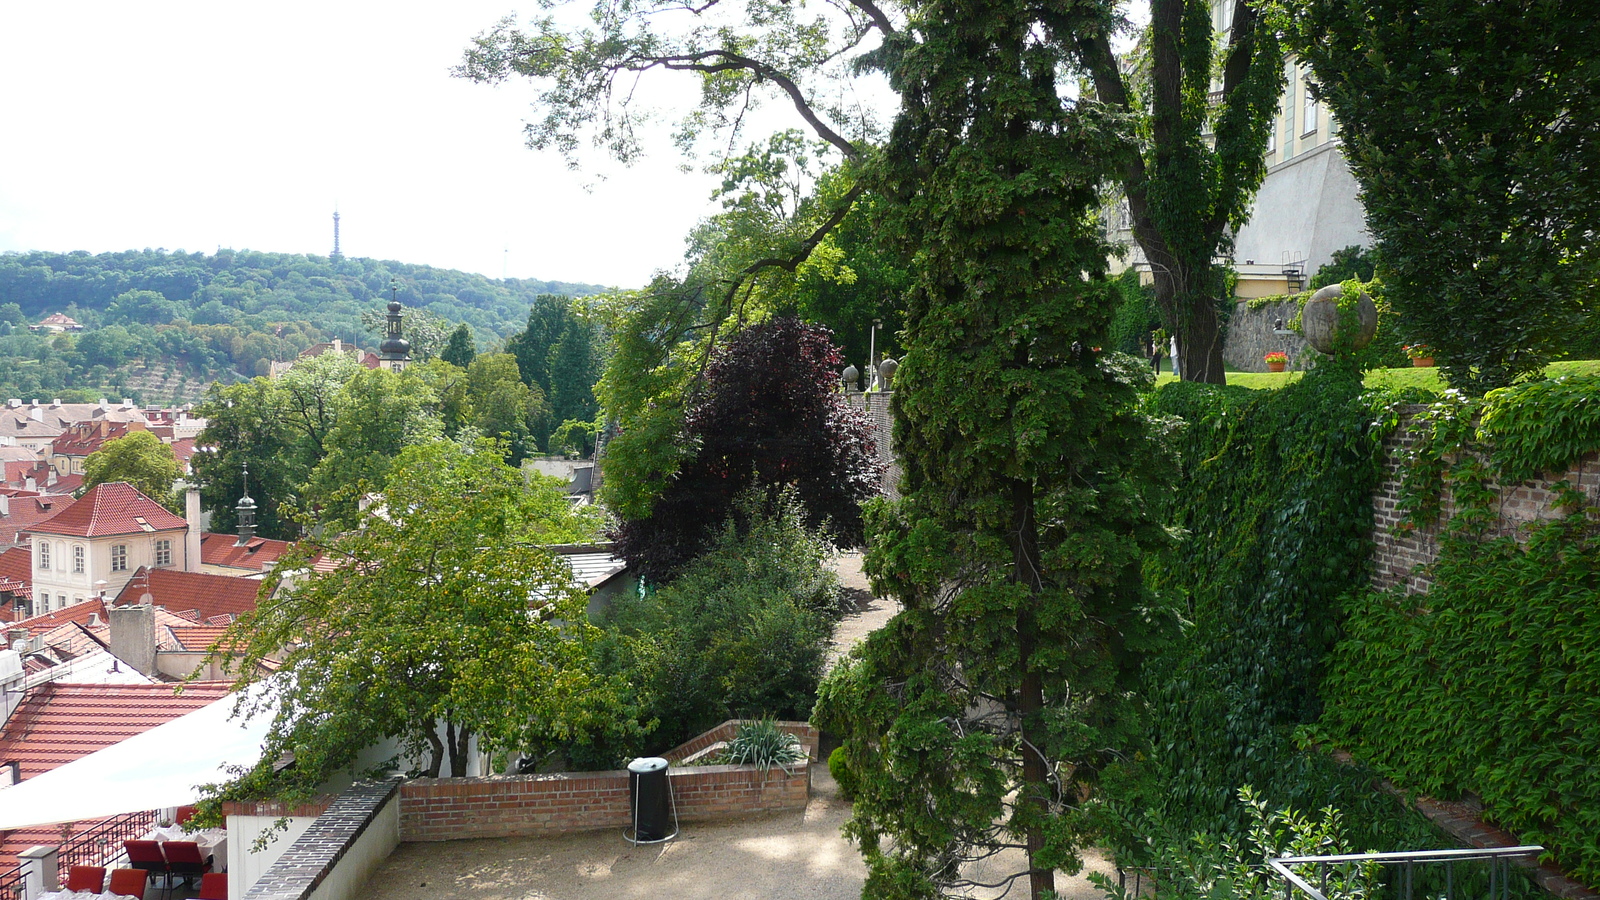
(160,768)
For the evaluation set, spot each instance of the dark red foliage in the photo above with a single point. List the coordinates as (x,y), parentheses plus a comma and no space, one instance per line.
(769,413)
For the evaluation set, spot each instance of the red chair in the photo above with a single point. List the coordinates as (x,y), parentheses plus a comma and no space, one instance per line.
(183,858)
(213,886)
(185,813)
(128,882)
(146,855)
(86,878)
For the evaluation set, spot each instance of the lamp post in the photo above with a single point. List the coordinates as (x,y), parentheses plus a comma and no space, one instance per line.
(872,353)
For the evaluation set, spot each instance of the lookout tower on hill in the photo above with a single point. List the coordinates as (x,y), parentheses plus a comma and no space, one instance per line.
(336,254)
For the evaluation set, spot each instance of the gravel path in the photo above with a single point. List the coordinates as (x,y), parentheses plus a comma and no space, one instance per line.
(868,612)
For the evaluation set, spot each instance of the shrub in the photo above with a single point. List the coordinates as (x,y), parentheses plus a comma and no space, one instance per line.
(741,633)
(839,768)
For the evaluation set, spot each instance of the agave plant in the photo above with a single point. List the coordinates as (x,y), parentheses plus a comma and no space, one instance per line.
(763,743)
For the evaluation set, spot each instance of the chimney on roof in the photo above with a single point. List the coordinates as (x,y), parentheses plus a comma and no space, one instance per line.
(127,403)
(5,504)
(133,636)
(30,484)
(13,403)
(191,539)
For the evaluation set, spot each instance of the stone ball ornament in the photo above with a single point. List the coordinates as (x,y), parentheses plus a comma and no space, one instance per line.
(886,370)
(1319,320)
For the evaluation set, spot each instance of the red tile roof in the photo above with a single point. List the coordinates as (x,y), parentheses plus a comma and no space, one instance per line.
(115,507)
(26,512)
(67,484)
(224,550)
(182,592)
(77,612)
(84,438)
(16,570)
(57,723)
(192,637)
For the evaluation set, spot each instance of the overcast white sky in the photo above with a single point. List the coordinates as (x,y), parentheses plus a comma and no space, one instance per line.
(193,125)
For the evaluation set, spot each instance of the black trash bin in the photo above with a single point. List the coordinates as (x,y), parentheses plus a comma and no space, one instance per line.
(650,795)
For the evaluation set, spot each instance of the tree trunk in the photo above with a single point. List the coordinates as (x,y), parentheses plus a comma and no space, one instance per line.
(1194,321)
(457,742)
(1030,700)
(437,750)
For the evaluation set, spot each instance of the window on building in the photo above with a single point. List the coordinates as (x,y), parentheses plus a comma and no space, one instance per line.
(1309,115)
(119,557)
(61,601)
(44,554)
(77,559)
(44,604)
(163,553)
(1272,138)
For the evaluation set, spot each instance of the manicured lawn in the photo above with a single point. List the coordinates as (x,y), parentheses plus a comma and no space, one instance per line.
(1428,379)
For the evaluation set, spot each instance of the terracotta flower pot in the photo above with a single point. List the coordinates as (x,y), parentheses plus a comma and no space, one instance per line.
(1422,362)
(1276,365)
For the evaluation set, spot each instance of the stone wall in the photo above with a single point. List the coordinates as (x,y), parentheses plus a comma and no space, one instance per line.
(1398,558)
(1250,336)
(876,406)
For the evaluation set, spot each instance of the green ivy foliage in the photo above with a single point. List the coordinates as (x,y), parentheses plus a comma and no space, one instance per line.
(1275,511)
(1490,682)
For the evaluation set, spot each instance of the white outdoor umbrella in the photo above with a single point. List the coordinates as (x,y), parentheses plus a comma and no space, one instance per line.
(160,768)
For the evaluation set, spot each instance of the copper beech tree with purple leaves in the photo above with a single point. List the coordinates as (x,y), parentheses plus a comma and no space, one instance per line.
(767,413)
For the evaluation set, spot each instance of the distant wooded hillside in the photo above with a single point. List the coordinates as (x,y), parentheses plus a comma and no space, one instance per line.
(162,325)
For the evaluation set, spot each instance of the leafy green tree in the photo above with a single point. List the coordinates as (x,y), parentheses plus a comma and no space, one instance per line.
(378,414)
(11,314)
(1197,162)
(558,354)
(460,349)
(139,458)
(742,632)
(248,427)
(503,407)
(980,716)
(1470,127)
(1360,263)
(442,619)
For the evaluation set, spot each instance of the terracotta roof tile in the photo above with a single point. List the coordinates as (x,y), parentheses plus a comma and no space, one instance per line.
(80,613)
(26,512)
(16,568)
(57,723)
(224,550)
(196,596)
(115,507)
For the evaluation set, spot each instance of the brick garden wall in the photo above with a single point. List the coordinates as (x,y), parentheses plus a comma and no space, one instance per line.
(444,809)
(1398,558)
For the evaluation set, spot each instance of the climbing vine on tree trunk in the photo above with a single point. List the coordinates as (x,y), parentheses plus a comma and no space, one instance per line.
(977,718)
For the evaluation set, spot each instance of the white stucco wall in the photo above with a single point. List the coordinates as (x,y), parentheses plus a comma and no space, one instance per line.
(246,865)
(1307,206)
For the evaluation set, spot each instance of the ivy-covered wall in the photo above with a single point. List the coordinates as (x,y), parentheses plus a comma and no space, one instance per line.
(1489,681)
(1401,554)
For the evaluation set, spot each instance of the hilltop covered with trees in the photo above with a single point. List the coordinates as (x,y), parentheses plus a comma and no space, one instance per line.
(161,325)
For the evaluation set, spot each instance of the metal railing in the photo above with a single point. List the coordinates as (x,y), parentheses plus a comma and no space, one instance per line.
(103,843)
(11,884)
(1405,871)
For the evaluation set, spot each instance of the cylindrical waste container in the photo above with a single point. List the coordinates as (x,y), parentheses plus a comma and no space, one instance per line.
(650,796)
